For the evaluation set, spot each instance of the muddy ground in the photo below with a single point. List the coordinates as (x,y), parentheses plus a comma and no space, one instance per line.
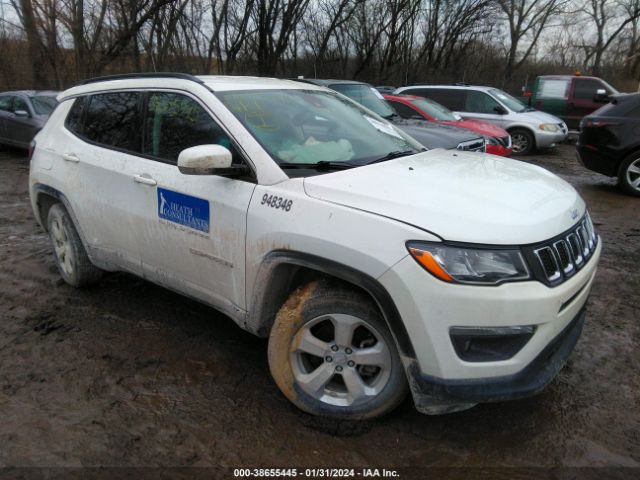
(129,374)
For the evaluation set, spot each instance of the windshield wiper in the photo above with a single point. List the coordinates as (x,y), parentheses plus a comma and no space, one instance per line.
(322,166)
(392,155)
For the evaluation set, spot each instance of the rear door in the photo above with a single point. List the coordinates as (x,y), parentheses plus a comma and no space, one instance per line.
(193,228)
(100,156)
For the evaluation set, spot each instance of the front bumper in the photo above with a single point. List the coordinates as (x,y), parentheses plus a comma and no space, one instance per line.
(433,395)
(499,150)
(549,139)
(430,308)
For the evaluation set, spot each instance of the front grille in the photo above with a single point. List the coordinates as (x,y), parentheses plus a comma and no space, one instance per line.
(558,259)
(563,127)
(476,145)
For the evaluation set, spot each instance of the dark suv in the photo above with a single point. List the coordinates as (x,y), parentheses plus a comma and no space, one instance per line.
(609,141)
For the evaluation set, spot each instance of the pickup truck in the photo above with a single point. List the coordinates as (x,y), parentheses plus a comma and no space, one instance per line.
(569,97)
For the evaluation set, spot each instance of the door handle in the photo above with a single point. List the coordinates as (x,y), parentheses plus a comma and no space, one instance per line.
(70,157)
(144,180)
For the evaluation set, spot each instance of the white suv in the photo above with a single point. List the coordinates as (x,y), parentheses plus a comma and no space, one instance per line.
(374,267)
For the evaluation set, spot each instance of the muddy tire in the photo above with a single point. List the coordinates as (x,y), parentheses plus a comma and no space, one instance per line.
(629,174)
(331,354)
(522,141)
(70,256)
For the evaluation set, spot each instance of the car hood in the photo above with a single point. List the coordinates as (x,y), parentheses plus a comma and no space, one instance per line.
(433,135)
(482,128)
(536,116)
(459,196)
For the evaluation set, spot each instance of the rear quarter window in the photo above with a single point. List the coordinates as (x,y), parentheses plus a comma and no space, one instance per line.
(74,117)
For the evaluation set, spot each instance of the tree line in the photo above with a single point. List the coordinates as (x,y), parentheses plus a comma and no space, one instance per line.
(56,43)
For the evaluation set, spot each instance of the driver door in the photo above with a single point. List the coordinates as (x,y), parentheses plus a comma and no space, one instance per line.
(194,226)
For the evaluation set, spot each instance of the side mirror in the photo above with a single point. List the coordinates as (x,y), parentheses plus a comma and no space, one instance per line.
(601,96)
(500,110)
(208,160)
(22,114)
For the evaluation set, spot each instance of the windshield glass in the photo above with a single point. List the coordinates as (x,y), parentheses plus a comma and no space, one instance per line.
(43,104)
(435,110)
(512,103)
(365,95)
(311,126)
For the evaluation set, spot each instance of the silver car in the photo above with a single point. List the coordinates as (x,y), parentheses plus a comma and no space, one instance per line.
(23,114)
(529,128)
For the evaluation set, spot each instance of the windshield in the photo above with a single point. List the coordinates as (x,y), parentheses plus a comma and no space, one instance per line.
(43,104)
(512,103)
(435,110)
(365,95)
(311,126)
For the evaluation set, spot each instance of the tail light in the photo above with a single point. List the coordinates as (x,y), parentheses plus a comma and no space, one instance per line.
(598,123)
(32,148)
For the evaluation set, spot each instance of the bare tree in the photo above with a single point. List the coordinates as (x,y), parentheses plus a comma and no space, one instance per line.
(610,18)
(527,19)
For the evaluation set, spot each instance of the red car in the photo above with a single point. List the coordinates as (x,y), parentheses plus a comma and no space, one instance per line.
(410,106)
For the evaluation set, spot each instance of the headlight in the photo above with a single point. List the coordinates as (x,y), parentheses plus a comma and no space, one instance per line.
(549,127)
(485,266)
(491,141)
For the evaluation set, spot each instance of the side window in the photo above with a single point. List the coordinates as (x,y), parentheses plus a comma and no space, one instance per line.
(480,102)
(404,110)
(452,98)
(585,88)
(5,103)
(112,120)
(174,122)
(74,117)
(20,104)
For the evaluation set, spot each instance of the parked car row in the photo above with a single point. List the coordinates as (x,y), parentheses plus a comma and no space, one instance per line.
(462,117)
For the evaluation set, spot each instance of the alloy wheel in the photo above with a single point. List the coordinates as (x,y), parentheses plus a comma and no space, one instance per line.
(633,175)
(62,246)
(340,360)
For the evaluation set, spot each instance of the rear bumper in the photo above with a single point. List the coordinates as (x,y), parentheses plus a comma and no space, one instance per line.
(597,161)
(433,396)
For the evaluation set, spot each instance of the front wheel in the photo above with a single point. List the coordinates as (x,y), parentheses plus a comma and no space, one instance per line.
(629,174)
(331,354)
(522,141)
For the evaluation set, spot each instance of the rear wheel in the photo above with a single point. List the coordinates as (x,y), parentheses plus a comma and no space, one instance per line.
(71,258)
(522,141)
(331,354)
(629,174)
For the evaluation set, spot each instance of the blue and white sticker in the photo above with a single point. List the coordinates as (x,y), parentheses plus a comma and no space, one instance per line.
(183,209)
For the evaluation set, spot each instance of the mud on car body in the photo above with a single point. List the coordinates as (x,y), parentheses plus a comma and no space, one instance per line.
(374,267)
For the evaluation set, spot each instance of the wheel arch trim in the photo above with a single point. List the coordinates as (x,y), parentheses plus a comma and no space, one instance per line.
(265,301)
(41,189)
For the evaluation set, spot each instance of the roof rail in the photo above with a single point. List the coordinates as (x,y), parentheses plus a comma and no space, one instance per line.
(126,76)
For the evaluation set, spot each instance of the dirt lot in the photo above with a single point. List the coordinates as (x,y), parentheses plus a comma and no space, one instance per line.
(129,374)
